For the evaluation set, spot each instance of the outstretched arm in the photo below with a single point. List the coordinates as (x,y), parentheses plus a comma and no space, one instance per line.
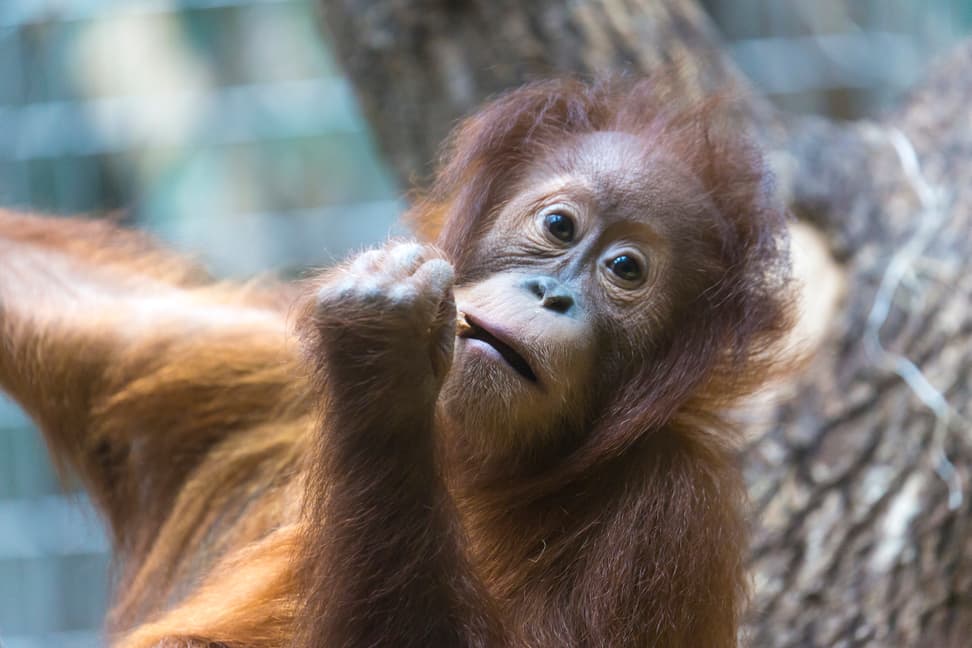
(383,561)
(125,354)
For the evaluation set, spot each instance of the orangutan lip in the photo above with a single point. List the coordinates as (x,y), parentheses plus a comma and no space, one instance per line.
(477,331)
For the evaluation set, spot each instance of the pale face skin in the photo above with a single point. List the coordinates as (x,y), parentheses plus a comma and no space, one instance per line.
(583,251)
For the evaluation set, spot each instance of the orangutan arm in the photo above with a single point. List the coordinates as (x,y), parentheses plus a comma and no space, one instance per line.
(383,563)
(124,354)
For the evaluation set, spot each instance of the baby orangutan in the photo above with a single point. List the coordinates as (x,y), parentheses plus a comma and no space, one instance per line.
(545,466)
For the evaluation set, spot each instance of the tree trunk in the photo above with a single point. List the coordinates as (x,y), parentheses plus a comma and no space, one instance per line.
(419,65)
(860,483)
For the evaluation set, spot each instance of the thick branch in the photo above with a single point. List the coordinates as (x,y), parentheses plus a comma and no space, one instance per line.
(862,484)
(419,66)
(840,176)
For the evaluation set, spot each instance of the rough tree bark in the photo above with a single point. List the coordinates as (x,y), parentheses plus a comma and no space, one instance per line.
(861,480)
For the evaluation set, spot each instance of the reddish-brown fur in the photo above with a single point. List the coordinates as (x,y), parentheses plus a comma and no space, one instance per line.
(253,503)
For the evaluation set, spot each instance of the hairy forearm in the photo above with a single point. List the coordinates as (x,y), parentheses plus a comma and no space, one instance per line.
(86,306)
(384,562)
(388,567)
(70,291)
(123,353)
(47,346)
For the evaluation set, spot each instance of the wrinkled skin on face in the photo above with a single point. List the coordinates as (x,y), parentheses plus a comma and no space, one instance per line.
(579,257)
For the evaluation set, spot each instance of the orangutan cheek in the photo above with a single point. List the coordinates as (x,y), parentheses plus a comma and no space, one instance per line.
(557,349)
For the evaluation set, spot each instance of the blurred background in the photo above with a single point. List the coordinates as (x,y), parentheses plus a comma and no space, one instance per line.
(224,127)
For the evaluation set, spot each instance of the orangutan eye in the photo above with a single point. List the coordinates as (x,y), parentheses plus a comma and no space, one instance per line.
(560,226)
(626,268)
